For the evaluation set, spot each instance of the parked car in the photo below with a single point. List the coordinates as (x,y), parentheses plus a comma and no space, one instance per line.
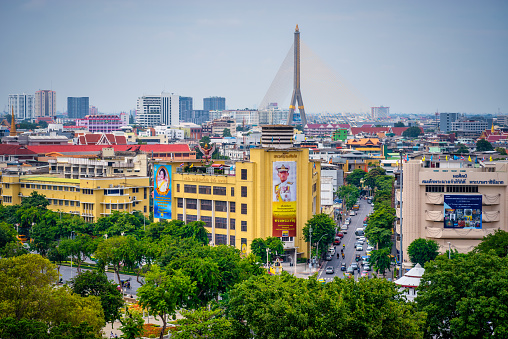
(336,241)
(344,229)
(352,213)
(365,274)
(355,266)
(366,267)
(340,234)
(350,269)
(359,247)
(328,257)
(343,266)
(330,270)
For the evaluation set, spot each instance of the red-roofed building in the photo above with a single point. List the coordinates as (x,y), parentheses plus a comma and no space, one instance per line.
(399,130)
(369,131)
(14,153)
(324,130)
(101,139)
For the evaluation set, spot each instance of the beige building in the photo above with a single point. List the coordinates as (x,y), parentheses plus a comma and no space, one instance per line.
(455,203)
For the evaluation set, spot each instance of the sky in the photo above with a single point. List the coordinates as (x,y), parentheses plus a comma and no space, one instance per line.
(413,56)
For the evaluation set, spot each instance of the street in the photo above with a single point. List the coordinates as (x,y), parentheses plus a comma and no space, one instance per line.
(349,240)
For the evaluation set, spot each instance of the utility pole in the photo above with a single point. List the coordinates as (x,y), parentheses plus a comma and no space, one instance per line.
(310,252)
(401,177)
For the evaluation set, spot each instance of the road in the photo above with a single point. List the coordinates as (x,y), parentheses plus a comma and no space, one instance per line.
(349,239)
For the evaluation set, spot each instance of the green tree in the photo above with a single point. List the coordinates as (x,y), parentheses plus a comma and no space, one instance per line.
(355,177)
(370,178)
(501,151)
(412,132)
(11,328)
(57,255)
(258,247)
(44,233)
(163,294)
(114,252)
(497,242)
(380,260)
(194,229)
(483,145)
(422,250)
(462,148)
(399,124)
(465,297)
(226,133)
(79,249)
(35,200)
(97,284)
(7,235)
(203,323)
(132,325)
(323,230)
(349,195)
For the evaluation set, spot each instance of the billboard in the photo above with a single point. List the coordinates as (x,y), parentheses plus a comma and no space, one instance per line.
(162,192)
(284,199)
(463,211)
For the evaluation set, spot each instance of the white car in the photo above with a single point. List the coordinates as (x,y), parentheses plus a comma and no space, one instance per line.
(370,248)
(352,213)
(359,247)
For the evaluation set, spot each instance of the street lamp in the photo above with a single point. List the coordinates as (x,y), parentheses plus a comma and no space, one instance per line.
(401,151)
(72,237)
(449,250)
(310,245)
(267,251)
(317,247)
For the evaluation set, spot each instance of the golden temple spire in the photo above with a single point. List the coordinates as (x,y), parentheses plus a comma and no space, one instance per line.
(492,128)
(13,124)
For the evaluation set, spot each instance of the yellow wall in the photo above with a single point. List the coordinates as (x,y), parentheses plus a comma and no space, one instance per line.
(84,197)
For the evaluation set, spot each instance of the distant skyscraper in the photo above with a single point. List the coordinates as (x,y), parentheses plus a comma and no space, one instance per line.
(93,110)
(214,104)
(185,107)
(23,105)
(154,110)
(445,121)
(381,111)
(45,103)
(170,109)
(77,107)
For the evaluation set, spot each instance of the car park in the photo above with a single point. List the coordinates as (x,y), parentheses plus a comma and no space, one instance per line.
(330,270)
(343,266)
(359,247)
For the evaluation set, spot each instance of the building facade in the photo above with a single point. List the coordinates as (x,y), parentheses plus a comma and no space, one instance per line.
(89,198)
(185,107)
(214,104)
(45,104)
(100,123)
(78,107)
(452,202)
(23,106)
(148,110)
(240,205)
(445,121)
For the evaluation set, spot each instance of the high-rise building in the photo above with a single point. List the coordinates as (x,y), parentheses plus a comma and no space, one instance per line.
(23,106)
(77,107)
(185,107)
(154,110)
(214,104)
(45,103)
(93,110)
(445,121)
(381,111)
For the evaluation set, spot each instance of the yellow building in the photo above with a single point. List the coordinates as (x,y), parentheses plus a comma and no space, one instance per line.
(249,201)
(90,198)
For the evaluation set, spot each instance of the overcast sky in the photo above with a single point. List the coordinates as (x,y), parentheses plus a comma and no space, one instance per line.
(414,56)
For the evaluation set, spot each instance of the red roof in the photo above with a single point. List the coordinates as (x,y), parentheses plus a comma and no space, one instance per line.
(101,139)
(158,148)
(369,130)
(14,150)
(399,130)
(315,126)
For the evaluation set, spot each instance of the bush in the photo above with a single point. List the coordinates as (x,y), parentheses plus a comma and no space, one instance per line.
(153,331)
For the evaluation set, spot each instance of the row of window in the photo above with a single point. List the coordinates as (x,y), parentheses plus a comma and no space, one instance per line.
(61,202)
(217,190)
(49,187)
(206,205)
(451,189)
(221,223)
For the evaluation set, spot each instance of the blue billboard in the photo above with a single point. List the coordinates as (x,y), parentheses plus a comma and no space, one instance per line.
(463,211)
(162,192)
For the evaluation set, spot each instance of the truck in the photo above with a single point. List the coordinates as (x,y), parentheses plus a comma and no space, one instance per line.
(356,207)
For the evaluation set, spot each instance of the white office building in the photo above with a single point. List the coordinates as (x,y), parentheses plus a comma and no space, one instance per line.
(155,110)
(23,105)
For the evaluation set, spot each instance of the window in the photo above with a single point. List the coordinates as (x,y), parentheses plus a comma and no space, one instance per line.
(7,198)
(135,190)
(232,240)
(77,203)
(55,188)
(221,223)
(144,194)
(22,185)
(219,190)
(244,208)
(207,220)
(189,188)
(221,206)
(287,238)
(462,189)
(209,235)
(120,206)
(108,206)
(232,224)
(243,241)
(438,189)
(144,208)
(221,239)
(232,191)
(244,226)
(314,188)
(180,217)
(244,174)
(178,187)
(60,188)
(191,204)
(192,217)
(66,188)
(179,202)
(206,205)
(205,189)
(243,192)
(232,207)
(85,191)
(113,191)
(66,202)
(72,203)
(60,202)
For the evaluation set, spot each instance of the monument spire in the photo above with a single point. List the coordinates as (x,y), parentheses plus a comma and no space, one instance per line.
(297,95)
(13,124)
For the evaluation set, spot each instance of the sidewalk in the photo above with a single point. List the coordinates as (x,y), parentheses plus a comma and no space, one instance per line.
(302,270)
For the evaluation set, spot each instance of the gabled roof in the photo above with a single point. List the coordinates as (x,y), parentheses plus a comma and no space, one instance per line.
(94,149)
(101,139)
(14,150)
(317,126)
(398,130)
(364,142)
(369,130)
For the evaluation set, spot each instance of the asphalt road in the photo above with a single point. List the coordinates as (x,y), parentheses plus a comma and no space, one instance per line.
(350,252)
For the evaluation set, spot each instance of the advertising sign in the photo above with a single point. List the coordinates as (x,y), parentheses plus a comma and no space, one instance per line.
(462,211)
(284,199)
(162,192)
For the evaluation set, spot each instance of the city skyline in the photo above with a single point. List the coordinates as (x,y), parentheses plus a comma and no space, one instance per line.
(413,57)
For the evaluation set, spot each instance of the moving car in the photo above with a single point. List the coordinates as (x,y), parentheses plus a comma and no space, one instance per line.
(328,257)
(343,266)
(355,266)
(321,280)
(330,270)
(352,213)
(350,269)
(336,241)
(343,229)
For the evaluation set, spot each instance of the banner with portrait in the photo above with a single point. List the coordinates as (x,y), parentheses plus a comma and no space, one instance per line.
(462,211)
(162,192)
(284,199)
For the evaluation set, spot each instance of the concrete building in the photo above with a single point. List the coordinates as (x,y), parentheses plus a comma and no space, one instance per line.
(379,112)
(455,203)
(100,123)
(445,121)
(77,107)
(214,104)
(170,109)
(154,110)
(273,117)
(471,126)
(45,104)
(241,204)
(90,198)
(244,116)
(23,106)
(185,107)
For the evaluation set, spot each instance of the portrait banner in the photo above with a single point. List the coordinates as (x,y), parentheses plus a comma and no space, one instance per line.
(162,192)
(284,198)
(463,211)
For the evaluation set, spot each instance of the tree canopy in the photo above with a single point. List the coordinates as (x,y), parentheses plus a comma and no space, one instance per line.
(355,177)
(412,132)
(422,250)
(483,145)
(497,242)
(323,230)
